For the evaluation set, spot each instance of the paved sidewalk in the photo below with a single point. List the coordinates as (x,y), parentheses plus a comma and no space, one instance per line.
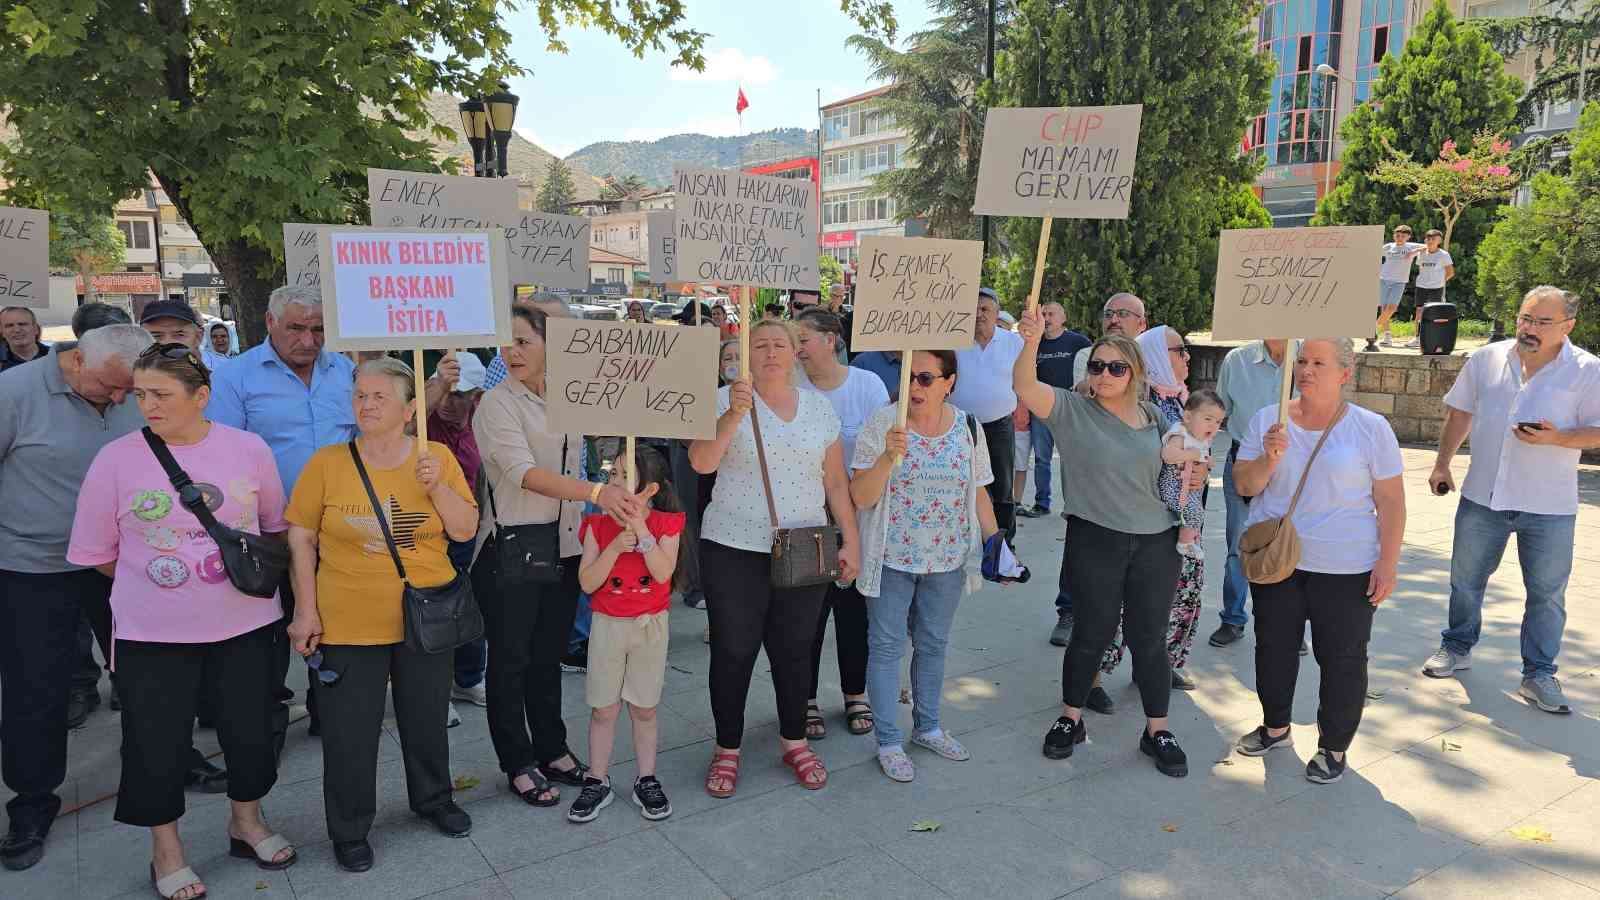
(1457,788)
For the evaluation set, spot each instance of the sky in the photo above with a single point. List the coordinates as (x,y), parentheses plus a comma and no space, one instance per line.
(599,91)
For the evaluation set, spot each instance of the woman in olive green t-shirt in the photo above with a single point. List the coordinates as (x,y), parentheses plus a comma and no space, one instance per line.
(1121,559)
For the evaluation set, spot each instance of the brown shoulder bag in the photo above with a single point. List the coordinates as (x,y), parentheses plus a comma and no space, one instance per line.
(1269,551)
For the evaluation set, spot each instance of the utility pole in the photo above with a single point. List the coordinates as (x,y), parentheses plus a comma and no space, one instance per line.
(989,71)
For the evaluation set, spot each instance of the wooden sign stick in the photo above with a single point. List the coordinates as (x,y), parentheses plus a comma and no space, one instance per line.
(1286,384)
(422,402)
(905,392)
(629,451)
(744,332)
(1044,249)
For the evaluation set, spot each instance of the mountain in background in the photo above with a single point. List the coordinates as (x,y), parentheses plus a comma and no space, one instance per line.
(653,160)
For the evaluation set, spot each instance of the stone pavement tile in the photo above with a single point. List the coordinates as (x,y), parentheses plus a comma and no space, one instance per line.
(873,872)
(1486,875)
(676,730)
(1447,798)
(491,888)
(1571,850)
(302,754)
(642,864)
(762,842)
(511,834)
(298,812)
(1505,759)
(761,704)
(116,860)
(57,874)
(994,851)
(412,859)
(99,816)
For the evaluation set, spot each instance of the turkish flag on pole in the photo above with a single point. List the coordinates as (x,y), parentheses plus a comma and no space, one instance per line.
(742,104)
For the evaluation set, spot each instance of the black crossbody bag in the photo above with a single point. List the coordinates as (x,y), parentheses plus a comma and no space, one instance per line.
(437,619)
(801,557)
(255,564)
(528,554)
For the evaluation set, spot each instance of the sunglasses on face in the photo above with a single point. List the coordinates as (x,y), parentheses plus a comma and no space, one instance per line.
(1117,367)
(175,352)
(326,677)
(926,379)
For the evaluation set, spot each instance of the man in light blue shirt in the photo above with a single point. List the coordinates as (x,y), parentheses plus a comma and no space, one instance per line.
(983,388)
(1248,382)
(297,397)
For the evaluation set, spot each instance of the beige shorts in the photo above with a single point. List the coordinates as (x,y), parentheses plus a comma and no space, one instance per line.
(627,660)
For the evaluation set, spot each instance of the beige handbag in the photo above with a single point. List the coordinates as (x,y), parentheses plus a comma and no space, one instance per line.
(1269,551)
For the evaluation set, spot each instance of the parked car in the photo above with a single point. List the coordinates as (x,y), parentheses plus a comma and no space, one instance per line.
(663,311)
(599,313)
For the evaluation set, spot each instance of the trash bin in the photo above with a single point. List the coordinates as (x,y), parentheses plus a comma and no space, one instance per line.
(1436,333)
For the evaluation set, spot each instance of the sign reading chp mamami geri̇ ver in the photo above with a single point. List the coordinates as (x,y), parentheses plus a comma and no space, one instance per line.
(915,293)
(543,249)
(624,378)
(301,263)
(1072,162)
(412,289)
(734,228)
(24,257)
(1297,282)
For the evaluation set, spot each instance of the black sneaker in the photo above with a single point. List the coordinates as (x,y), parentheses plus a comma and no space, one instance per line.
(1226,634)
(651,799)
(1323,768)
(1100,701)
(596,796)
(23,846)
(79,704)
(1063,736)
(1260,743)
(1163,748)
(450,819)
(1034,512)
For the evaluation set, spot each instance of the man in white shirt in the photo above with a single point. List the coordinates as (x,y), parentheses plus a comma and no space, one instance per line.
(1531,406)
(1123,314)
(983,388)
(1434,268)
(1393,275)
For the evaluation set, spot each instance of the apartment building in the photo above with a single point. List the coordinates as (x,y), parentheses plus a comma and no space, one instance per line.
(859,140)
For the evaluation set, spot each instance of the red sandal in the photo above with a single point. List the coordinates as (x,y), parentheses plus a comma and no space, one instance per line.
(724,768)
(803,761)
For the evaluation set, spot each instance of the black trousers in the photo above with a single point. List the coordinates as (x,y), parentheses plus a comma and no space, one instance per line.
(160,685)
(1341,625)
(747,614)
(352,721)
(849,610)
(38,653)
(86,674)
(1002,441)
(528,628)
(278,701)
(1131,577)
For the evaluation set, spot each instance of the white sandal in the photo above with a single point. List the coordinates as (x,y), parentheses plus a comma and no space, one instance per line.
(264,853)
(170,884)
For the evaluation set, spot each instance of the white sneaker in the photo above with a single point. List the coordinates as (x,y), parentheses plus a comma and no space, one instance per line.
(1445,662)
(1388,340)
(1411,344)
(477,695)
(451,717)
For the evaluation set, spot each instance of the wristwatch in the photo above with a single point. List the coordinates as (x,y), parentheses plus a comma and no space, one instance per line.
(646,543)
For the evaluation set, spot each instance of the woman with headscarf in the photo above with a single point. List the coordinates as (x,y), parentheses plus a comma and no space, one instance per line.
(1166,363)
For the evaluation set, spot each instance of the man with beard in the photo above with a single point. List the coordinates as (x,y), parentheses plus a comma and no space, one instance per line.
(1531,406)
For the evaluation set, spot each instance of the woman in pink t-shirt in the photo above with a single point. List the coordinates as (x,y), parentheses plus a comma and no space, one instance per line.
(180,626)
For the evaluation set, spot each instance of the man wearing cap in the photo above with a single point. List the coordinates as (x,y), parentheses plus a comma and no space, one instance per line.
(19,337)
(983,388)
(56,417)
(176,322)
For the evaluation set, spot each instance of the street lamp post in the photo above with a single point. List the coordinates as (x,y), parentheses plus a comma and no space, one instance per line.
(1334,78)
(487,125)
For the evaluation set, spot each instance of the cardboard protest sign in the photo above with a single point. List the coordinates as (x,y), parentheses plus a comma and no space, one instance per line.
(24,257)
(623,378)
(663,253)
(1297,282)
(542,248)
(915,293)
(737,228)
(1071,162)
(301,263)
(399,288)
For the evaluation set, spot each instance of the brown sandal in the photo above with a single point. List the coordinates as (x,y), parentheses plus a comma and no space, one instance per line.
(804,762)
(724,768)
(858,717)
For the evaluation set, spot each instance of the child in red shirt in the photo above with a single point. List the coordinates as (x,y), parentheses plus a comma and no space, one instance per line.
(628,570)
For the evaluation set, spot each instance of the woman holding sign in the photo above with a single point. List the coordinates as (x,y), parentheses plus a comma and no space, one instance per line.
(855,394)
(800,469)
(1121,553)
(526,576)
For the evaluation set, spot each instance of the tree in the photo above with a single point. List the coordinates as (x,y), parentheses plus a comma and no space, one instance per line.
(1194,68)
(1456,181)
(86,244)
(829,273)
(251,114)
(936,95)
(557,191)
(1448,84)
(1564,35)
(622,188)
(1555,239)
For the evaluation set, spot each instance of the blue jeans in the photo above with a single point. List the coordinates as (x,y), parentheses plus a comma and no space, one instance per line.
(1544,550)
(927,603)
(1235,587)
(1044,446)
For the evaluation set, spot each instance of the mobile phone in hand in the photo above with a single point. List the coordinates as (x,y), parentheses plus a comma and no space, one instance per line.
(1530,426)
(1441,488)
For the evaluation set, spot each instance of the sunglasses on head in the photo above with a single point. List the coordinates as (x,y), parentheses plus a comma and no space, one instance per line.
(175,352)
(926,379)
(326,677)
(1116,367)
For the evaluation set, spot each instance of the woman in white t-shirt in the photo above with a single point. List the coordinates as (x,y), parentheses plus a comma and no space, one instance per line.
(855,395)
(1350,519)
(805,462)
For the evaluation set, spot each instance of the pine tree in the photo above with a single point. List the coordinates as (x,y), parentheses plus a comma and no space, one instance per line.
(1194,67)
(557,191)
(1448,84)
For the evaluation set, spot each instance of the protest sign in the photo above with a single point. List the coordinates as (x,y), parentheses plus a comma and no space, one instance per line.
(24,257)
(624,378)
(543,249)
(394,288)
(301,263)
(663,253)
(1071,162)
(1296,282)
(915,293)
(737,228)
